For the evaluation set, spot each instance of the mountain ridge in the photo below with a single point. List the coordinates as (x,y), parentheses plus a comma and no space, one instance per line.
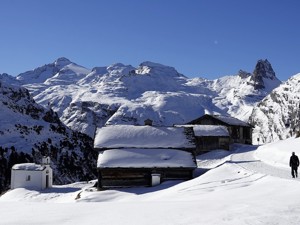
(120,93)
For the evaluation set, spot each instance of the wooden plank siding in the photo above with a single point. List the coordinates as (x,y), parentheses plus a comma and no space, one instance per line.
(238,133)
(206,144)
(133,177)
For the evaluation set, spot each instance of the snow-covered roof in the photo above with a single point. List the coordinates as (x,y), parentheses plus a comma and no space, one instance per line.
(207,130)
(231,120)
(145,158)
(130,136)
(210,130)
(28,166)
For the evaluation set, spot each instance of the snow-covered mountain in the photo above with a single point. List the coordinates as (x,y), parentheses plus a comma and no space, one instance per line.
(238,94)
(61,71)
(29,131)
(122,94)
(276,117)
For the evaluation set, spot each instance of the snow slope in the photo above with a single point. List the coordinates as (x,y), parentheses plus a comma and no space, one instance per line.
(249,185)
(276,117)
(29,131)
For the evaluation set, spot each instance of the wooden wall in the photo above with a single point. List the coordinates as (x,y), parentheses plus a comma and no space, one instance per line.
(130,177)
(205,144)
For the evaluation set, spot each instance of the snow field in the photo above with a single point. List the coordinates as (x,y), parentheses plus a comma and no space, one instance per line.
(237,190)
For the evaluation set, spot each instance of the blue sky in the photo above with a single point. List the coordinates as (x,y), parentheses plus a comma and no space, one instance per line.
(200,38)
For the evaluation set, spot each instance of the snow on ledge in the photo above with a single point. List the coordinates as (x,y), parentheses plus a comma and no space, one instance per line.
(28,166)
(210,130)
(231,120)
(145,158)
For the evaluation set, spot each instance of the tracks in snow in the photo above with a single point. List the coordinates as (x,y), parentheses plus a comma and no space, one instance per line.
(244,157)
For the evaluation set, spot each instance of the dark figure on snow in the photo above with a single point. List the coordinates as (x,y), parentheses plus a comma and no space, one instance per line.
(294,163)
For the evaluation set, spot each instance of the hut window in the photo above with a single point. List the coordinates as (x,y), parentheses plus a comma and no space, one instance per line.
(28,178)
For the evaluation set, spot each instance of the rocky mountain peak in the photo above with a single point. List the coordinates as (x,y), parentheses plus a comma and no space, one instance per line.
(61,62)
(6,78)
(43,73)
(244,74)
(263,70)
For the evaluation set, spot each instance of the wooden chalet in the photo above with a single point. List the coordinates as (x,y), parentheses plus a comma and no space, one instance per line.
(210,137)
(239,131)
(143,155)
